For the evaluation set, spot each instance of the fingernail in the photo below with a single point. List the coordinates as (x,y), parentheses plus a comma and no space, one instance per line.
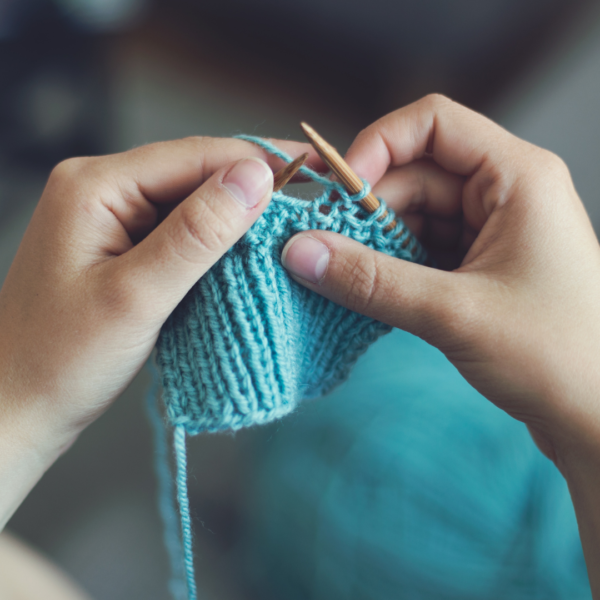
(248,181)
(306,257)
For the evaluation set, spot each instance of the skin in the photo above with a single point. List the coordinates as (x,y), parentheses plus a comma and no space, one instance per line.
(518,315)
(26,574)
(83,304)
(99,271)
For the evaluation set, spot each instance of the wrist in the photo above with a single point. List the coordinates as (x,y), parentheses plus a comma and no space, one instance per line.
(31,440)
(574,444)
(580,465)
(555,392)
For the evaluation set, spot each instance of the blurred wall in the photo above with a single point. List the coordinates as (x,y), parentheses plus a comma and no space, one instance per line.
(556,106)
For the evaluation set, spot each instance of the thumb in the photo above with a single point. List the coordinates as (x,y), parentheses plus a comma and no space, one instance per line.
(169,261)
(421,300)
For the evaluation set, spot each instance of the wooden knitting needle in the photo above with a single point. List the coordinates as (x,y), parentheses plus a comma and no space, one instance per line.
(284,175)
(351,181)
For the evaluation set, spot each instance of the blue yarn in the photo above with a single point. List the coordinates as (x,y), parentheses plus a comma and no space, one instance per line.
(247,343)
(406,484)
(166,497)
(184,510)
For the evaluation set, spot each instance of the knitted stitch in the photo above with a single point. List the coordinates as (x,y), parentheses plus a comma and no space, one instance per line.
(248,343)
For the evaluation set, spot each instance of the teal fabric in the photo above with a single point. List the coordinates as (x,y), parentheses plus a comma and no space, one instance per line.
(406,484)
(247,344)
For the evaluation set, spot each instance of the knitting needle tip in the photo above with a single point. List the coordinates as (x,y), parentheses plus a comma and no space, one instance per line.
(350,180)
(318,143)
(284,175)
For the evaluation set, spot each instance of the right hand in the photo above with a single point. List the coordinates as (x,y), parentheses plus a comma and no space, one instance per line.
(519,316)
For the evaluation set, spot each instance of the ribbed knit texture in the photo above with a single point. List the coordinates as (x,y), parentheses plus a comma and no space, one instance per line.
(248,343)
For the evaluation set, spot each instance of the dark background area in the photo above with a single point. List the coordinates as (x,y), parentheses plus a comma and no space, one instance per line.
(363,58)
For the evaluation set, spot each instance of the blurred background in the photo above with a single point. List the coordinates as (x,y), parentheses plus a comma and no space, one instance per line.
(86,77)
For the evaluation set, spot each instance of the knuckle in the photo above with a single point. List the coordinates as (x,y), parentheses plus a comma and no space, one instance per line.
(69,184)
(195,141)
(202,144)
(198,141)
(365,134)
(435,100)
(203,230)
(555,164)
(539,171)
(69,169)
(532,157)
(362,275)
(197,144)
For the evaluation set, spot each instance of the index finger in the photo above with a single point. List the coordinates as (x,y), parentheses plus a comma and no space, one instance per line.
(170,171)
(457,138)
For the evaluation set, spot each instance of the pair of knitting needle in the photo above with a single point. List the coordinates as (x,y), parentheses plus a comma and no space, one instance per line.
(330,156)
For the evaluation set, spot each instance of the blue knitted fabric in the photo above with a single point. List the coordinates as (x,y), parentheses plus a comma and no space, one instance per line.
(406,484)
(248,343)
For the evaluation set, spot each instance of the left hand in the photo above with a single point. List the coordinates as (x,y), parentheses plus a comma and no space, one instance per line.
(83,304)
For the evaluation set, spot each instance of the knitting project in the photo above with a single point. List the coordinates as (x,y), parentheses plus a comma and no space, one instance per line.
(248,343)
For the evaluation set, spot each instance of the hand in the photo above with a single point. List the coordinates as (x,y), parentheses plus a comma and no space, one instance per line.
(519,316)
(83,303)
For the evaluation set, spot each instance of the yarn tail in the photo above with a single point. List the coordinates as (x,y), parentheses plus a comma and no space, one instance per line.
(166,492)
(184,510)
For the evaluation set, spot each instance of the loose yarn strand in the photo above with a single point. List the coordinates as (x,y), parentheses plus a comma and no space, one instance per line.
(184,510)
(166,495)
